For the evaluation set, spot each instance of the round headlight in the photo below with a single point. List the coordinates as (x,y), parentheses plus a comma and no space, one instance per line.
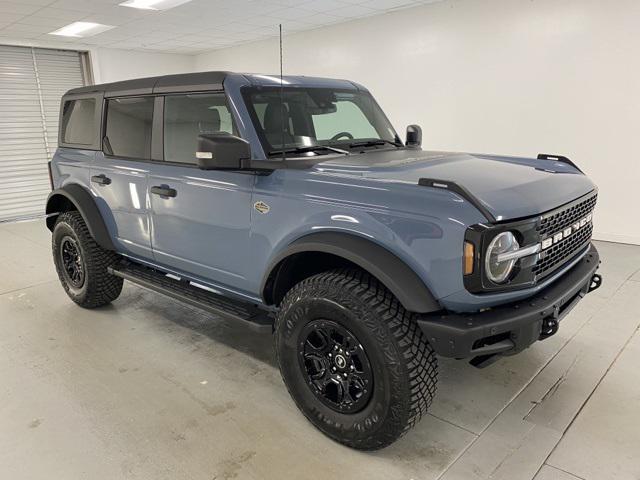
(497,271)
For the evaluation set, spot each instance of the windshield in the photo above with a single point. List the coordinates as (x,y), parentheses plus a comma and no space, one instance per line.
(308,117)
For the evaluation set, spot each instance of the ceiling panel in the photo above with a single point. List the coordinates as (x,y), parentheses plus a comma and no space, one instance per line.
(191,28)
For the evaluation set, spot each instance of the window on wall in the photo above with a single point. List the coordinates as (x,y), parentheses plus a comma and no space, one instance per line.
(78,121)
(128,127)
(186,117)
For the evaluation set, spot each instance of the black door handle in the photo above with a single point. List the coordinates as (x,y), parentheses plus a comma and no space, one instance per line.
(164,191)
(101,179)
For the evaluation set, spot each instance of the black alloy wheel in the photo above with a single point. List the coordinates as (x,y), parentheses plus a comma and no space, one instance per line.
(72,262)
(336,366)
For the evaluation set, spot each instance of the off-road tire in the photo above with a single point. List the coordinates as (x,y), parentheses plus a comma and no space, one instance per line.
(98,287)
(403,363)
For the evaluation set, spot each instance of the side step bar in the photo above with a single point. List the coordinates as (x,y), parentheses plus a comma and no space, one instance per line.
(247,313)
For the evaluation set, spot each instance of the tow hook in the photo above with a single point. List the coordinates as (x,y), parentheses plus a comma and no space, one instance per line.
(549,327)
(596,282)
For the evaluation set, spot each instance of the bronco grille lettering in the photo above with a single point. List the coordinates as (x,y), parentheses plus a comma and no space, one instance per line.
(567,232)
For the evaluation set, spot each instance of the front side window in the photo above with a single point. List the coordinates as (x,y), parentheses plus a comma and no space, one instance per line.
(128,127)
(78,121)
(188,116)
(307,117)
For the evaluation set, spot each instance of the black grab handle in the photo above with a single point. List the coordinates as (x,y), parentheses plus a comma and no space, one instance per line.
(101,179)
(164,191)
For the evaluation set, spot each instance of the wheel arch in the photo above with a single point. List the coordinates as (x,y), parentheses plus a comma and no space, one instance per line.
(75,197)
(321,251)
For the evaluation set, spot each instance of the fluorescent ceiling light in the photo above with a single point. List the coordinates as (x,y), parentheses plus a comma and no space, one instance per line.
(81,29)
(153,4)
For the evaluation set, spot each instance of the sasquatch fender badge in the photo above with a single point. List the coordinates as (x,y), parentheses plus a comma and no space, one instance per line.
(261,207)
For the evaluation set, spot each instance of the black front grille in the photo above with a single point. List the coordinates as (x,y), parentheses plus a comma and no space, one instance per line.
(555,222)
(555,256)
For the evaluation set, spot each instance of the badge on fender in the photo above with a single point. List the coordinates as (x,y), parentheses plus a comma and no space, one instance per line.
(261,207)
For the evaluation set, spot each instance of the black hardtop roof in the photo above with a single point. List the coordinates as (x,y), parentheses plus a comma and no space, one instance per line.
(202,81)
(161,84)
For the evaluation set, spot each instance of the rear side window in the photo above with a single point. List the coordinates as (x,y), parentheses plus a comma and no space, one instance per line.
(186,117)
(78,121)
(128,127)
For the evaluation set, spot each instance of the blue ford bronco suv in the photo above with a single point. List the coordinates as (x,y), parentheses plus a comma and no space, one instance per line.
(292,206)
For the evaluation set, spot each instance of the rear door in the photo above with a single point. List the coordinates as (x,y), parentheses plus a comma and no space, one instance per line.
(119,174)
(200,225)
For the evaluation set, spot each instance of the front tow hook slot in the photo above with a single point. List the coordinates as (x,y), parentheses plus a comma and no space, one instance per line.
(549,327)
(596,282)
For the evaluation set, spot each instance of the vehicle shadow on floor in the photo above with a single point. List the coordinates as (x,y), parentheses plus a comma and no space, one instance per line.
(193,326)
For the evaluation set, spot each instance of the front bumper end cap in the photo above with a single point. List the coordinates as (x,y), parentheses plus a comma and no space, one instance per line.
(509,329)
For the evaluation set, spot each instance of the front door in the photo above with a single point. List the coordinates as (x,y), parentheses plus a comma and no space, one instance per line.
(200,219)
(119,174)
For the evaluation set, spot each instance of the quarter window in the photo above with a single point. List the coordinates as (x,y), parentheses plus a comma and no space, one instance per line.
(186,117)
(129,125)
(78,121)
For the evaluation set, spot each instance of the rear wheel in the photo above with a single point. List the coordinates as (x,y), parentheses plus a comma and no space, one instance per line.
(82,264)
(353,359)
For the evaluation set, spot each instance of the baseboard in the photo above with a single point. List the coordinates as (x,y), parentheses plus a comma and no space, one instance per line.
(614,237)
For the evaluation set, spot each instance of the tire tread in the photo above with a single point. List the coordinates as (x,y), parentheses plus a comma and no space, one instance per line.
(419,363)
(102,287)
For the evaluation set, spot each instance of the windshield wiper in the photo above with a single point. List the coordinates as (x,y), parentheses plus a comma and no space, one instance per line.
(373,143)
(308,148)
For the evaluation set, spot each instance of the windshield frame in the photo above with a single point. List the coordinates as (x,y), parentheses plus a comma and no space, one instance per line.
(268,148)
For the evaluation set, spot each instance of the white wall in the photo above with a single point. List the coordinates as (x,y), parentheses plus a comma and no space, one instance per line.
(111,65)
(500,76)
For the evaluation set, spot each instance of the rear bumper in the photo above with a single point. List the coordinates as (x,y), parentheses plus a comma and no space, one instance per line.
(510,328)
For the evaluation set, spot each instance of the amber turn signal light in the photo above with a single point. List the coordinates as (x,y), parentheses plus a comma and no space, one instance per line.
(468,258)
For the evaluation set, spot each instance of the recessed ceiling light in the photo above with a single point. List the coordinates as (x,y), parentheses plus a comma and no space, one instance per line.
(81,29)
(153,4)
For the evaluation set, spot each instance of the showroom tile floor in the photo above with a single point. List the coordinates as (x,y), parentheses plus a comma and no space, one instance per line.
(150,389)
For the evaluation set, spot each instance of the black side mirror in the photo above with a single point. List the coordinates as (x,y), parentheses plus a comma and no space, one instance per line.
(222,151)
(414,136)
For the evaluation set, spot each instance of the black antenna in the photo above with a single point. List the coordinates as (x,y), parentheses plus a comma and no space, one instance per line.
(281,96)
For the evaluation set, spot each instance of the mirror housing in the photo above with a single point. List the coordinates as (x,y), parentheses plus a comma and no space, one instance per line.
(414,136)
(222,151)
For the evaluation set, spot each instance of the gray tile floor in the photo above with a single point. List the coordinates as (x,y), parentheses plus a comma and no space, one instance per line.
(150,389)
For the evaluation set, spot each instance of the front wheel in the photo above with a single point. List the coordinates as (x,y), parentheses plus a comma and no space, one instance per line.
(353,359)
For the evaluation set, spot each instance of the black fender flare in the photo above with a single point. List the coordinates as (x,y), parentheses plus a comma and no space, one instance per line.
(84,202)
(384,265)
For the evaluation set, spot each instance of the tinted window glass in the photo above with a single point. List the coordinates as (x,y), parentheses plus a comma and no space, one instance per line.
(128,130)
(186,117)
(78,121)
(347,117)
(303,117)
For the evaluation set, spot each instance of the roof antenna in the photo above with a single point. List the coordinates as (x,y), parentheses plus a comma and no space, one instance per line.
(281,96)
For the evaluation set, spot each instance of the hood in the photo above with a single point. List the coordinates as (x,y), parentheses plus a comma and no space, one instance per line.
(508,187)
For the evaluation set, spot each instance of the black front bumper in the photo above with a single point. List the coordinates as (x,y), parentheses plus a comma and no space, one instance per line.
(510,328)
